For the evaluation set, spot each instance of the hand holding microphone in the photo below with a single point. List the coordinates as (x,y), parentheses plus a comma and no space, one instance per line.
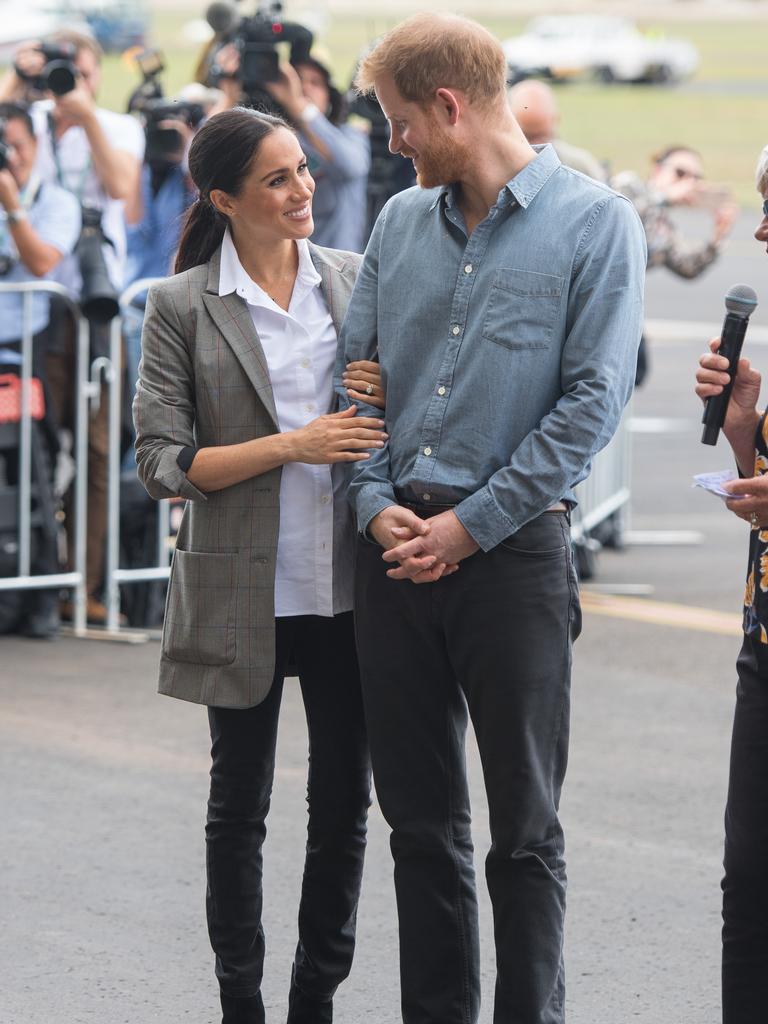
(716,377)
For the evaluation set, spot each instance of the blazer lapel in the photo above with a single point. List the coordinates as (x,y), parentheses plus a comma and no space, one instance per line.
(335,287)
(233,319)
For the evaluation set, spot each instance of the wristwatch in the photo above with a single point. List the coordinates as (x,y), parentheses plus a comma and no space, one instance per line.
(17,216)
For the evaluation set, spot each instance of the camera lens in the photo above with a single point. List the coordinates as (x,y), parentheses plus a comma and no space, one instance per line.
(60,77)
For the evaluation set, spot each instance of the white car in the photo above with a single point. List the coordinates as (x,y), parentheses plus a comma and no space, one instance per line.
(611,49)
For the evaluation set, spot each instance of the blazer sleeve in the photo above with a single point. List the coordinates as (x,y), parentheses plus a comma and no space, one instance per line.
(164,406)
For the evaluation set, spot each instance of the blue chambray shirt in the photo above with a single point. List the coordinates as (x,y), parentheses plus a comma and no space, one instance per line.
(508,356)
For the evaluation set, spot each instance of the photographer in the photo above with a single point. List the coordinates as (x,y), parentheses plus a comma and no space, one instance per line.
(95,154)
(39,226)
(339,154)
(676,179)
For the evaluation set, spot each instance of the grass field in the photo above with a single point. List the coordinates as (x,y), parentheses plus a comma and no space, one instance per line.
(723,112)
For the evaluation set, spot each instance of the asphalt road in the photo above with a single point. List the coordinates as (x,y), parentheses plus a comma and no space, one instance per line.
(104,785)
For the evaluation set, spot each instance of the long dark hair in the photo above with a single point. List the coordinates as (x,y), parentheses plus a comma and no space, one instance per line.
(220,158)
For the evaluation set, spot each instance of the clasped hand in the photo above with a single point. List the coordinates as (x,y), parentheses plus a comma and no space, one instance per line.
(419,550)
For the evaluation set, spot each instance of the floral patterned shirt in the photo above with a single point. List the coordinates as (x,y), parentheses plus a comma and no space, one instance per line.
(756,595)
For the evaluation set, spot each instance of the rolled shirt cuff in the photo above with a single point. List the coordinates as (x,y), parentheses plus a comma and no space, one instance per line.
(482,518)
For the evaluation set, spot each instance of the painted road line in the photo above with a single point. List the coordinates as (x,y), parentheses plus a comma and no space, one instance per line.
(661,425)
(659,613)
(665,331)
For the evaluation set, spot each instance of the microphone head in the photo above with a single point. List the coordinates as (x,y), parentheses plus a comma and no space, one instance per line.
(741,300)
(221,16)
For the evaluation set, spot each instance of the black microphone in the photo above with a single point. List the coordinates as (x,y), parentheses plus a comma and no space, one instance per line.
(740,302)
(221,16)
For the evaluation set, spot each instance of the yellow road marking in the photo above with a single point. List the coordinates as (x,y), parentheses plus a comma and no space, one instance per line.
(659,613)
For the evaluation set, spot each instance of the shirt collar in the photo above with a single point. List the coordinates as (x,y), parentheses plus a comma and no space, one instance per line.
(233,277)
(523,188)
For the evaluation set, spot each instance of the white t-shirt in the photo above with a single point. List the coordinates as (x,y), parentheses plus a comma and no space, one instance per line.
(300,347)
(71,166)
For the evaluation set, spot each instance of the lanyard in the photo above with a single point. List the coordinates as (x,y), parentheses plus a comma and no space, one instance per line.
(80,189)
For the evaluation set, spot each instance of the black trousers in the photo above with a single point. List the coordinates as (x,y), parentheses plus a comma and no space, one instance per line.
(338,795)
(745,884)
(492,641)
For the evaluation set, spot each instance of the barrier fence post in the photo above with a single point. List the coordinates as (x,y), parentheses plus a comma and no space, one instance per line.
(113,490)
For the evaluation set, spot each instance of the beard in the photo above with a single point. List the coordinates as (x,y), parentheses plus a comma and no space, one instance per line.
(443,161)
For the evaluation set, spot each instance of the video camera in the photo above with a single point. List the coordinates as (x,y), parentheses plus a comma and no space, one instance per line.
(59,75)
(256,40)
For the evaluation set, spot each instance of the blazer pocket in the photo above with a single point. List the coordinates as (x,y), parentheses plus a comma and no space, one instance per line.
(522,309)
(199,624)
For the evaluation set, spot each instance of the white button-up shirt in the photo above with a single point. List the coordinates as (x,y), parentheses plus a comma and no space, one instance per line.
(300,349)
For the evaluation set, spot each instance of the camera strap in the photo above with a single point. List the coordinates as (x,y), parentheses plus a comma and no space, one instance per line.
(77,192)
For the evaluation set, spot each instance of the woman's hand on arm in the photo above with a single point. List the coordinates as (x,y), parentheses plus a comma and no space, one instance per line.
(337,437)
(359,377)
(742,416)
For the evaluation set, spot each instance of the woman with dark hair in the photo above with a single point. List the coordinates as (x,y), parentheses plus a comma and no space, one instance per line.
(339,153)
(745,886)
(234,412)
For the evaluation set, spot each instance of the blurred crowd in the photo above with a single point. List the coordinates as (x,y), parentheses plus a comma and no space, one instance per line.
(94,201)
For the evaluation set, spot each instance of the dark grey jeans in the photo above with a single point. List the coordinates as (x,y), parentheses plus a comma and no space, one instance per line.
(745,891)
(338,796)
(492,641)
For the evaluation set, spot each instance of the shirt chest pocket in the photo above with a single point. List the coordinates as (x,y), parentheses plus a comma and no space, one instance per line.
(523,308)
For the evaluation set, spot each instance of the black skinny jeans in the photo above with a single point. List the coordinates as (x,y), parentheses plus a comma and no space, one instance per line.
(492,641)
(243,755)
(745,885)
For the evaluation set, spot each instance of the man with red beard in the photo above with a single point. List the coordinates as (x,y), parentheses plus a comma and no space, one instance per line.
(504,299)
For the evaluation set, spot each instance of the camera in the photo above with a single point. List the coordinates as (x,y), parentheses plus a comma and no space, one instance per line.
(59,75)
(165,143)
(256,38)
(151,64)
(5,149)
(98,297)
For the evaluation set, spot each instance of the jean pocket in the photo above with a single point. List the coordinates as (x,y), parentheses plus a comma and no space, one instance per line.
(199,625)
(522,310)
(541,538)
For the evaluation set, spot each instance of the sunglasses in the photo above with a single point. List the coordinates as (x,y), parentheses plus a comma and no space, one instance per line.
(765,207)
(681,172)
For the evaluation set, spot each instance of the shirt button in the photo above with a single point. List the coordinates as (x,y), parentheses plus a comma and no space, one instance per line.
(325,499)
(441,390)
(427,451)
(309,407)
(305,364)
(426,497)
(455,329)
(468,268)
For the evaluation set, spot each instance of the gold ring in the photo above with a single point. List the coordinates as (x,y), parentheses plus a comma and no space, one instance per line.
(369,389)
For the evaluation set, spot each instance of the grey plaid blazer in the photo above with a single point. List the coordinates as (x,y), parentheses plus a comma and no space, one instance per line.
(204,381)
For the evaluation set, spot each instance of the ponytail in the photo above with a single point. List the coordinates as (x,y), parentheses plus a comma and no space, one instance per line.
(201,235)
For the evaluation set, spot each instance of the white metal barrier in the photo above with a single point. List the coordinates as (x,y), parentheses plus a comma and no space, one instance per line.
(114,575)
(607,489)
(25,580)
